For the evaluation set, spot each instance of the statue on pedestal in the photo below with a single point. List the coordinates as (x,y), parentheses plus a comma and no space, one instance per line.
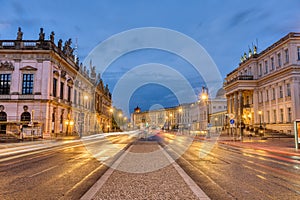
(19,34)
(42,34)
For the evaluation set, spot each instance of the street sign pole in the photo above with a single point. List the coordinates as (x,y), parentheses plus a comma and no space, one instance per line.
(297,130)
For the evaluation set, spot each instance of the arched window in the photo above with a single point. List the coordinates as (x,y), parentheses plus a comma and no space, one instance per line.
(25,116)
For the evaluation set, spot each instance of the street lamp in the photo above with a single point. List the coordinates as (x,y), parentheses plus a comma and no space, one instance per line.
(124,122)
(204,97)
(167,121)
(261,131)
(85,98)
(120,116)
(68,123)
(171,121)
(111,110)
(260,113)
(216,119)
(180,124)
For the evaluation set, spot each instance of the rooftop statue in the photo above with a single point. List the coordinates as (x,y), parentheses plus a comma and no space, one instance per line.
(19,34)
(52,36)
(42,34)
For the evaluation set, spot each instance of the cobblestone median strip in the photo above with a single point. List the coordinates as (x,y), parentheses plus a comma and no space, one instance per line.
(170,182)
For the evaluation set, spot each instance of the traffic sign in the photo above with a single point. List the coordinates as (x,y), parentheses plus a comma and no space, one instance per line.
(231,121)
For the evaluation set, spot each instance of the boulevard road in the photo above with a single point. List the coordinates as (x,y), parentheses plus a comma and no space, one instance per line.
(57,170)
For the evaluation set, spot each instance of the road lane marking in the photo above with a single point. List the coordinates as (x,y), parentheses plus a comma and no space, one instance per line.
(99,184)
(45,170)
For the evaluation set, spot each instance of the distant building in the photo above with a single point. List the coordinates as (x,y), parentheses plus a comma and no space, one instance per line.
(161,118)
(186,117)
(264,90)
(44,90)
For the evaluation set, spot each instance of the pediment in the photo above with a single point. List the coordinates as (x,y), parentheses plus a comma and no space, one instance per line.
(70,81)
(56,73)
(6,66)
(28,68)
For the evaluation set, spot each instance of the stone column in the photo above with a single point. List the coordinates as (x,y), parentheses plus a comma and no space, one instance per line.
(295,85)
(241,105)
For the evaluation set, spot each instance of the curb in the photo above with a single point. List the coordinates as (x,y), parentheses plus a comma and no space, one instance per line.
(262,148)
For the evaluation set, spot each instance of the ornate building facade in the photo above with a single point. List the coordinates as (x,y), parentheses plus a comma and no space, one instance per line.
(263,92)
(44,90)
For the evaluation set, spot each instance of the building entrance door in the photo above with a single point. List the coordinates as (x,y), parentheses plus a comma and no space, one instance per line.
(3,122)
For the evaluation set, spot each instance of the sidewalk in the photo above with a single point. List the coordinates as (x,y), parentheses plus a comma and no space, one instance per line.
(145,171)
(284,146)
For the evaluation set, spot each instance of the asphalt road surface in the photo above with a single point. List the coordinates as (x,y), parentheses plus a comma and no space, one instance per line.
(59,170)
(66,170)
(227,172)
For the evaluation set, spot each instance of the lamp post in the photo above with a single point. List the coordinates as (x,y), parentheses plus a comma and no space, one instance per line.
(261,131)
(170,120)
(124,122)
(111,110)
(85,98)
(204,97)
(180,124)
(120,116)
(167,121)
(69,123)
(260,113)
(216,120)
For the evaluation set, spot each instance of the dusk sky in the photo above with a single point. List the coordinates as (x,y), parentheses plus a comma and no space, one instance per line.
(225,28)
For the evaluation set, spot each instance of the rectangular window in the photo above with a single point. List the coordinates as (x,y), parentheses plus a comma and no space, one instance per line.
(75,96)
(27,85)
(298,53)
(274,116)
(69,93)
(79,98)
(4,84)
(268,116)
(267,95)
(281,115)
(289,118)
(273,94)
(62,85)
(261,97)
(266,67)
(279,59)
(280,92)
(272,64)
(54,87)
(287,58)
(260,70)
(288,90)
